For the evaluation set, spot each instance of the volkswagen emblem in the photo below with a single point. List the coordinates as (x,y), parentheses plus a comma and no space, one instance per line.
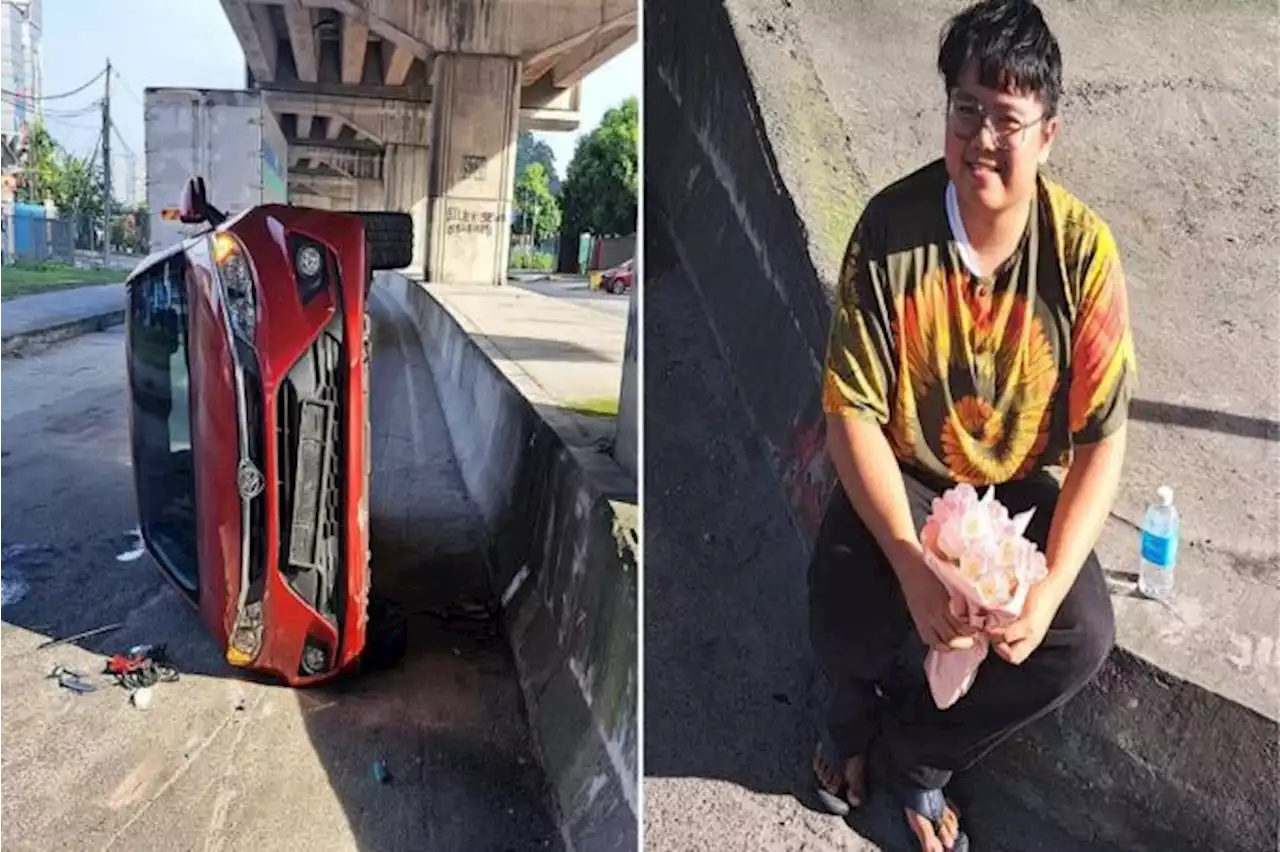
(248,480)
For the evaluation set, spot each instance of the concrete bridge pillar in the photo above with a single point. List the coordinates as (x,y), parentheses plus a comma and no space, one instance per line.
(370,195)
(475,121)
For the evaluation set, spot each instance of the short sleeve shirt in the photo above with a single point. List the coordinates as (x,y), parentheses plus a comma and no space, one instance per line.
(980,379)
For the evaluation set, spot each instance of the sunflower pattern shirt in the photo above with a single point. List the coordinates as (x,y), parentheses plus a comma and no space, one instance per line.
(980,379)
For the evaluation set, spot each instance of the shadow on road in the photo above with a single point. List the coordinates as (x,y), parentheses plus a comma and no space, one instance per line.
(1193,417)
(730,688)
(543,349)
(448,720)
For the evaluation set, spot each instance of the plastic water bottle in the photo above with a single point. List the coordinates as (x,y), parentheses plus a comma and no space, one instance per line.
(1160,530)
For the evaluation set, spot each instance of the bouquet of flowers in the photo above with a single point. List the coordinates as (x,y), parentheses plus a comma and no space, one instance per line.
(981,555)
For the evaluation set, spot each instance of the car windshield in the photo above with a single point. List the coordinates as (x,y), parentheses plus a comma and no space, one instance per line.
(162,416)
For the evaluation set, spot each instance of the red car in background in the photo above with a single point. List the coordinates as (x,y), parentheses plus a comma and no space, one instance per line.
(619,279)
(249,422)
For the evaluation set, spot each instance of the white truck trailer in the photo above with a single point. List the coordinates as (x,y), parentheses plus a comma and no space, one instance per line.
(228,137)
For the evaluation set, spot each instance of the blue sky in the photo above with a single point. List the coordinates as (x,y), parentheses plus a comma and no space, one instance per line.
(190,43)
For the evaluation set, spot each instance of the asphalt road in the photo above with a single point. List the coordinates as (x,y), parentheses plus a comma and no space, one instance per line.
(578,291)
(222,762)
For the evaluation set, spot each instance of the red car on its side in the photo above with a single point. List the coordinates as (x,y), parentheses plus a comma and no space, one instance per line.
(249,419)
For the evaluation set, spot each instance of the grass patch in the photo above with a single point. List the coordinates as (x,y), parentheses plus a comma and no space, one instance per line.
(599,407)
(24,279)
(534,261)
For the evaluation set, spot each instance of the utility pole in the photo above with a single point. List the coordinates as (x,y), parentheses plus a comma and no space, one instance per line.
(106,167)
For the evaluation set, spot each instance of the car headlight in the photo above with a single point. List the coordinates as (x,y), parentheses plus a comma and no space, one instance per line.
(237,283)
(246,636)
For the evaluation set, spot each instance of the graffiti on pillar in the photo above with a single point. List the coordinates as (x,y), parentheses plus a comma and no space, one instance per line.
(473,166)
(460,221)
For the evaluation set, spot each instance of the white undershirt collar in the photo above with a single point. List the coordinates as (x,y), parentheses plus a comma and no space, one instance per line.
(967,255)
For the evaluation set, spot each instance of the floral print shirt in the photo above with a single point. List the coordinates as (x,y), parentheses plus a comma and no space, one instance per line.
(980,379)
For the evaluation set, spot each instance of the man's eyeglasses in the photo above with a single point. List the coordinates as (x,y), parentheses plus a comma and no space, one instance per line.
(967,117)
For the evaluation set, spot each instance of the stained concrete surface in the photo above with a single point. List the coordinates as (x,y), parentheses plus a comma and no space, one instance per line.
(559,355)
(1170,133)
(221,761)
(1169,130)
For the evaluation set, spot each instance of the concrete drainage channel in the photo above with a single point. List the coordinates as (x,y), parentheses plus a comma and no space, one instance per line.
(562,556)
(1142,759)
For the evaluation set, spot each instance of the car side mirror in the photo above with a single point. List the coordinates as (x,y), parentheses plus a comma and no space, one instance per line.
(194,203)
(195,207)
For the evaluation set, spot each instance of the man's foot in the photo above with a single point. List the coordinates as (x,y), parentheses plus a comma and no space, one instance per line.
(853,781)
(943,840)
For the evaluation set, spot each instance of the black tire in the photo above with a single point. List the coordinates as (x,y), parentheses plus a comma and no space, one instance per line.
(386,637)
(388,239)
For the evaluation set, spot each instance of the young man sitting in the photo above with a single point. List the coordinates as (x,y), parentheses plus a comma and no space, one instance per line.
(980,335)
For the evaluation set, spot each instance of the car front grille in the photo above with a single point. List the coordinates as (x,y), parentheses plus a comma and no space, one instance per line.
(309,433)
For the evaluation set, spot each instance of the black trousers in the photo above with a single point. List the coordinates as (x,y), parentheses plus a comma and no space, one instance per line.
(867,645)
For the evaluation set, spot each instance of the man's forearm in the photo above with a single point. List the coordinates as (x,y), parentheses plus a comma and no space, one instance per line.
(1086,500)
(871,477)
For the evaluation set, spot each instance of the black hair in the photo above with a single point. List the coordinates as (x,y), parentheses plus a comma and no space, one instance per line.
(1011,46)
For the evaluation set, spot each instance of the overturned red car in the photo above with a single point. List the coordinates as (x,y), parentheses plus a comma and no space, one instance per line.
(249,421)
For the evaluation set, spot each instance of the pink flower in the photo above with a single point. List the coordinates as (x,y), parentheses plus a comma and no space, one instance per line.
(982,556)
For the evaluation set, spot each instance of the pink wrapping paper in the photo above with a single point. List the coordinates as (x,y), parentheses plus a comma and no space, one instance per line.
(1001,567)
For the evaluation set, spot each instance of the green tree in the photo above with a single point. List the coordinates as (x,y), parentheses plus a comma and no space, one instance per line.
(39,165)
(602,184)
(530,150)
(539,209)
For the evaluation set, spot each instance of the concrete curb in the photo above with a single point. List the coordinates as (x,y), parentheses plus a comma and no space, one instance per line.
(21,343)
(562,560)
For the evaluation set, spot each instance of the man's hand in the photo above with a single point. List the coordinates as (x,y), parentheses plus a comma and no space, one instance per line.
(930,605)
(1015,642)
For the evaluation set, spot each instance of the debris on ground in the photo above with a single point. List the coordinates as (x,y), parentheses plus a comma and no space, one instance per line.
(143,666)
(84,634)
(141,698)
(380,772)
(461,611)
(72,679)
(136,546)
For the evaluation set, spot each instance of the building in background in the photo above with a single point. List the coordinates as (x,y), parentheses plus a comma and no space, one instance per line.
(21,65)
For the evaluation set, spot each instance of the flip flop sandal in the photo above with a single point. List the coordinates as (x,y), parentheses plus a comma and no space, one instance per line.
(837,802)
(930,804)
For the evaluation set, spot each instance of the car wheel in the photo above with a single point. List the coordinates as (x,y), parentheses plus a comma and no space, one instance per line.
(388,239)
(386,638)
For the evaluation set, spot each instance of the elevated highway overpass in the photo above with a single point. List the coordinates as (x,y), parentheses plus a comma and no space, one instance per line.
(415,106)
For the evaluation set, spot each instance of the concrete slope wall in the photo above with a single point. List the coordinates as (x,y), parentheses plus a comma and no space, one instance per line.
(562,560)
(771,117)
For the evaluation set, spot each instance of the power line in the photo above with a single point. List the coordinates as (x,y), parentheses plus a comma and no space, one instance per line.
(127,147)
(74,91)
(62,113)
(64,122)
(127,88)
